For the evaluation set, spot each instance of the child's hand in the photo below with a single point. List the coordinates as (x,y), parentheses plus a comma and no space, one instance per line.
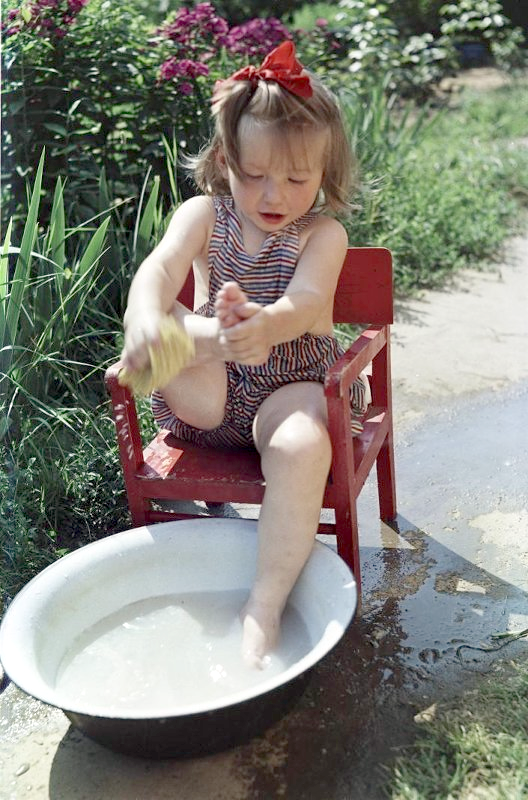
(248,340)
(243,334)
(140,334)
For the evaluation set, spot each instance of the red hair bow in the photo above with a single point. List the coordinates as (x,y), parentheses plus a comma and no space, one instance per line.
(281,66)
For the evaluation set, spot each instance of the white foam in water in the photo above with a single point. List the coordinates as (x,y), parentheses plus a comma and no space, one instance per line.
(171,651)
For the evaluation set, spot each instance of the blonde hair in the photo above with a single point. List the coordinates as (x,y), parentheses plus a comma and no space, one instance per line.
(267,103)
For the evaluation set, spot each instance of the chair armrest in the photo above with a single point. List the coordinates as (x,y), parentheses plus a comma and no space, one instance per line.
(348,367)
(112,373)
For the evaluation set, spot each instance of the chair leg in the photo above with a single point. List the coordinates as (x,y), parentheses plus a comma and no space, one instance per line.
(138,509)
(386,480)
(347,535)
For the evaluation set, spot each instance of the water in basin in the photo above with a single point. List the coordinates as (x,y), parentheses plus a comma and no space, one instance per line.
(175,650)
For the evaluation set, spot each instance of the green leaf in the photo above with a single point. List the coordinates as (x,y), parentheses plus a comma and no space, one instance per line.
(93,252)
(56,240)
(55,252)
(54,128)
(74,106)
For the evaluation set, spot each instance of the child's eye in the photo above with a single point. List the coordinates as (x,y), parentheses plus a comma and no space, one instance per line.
(297,181)
(252,177)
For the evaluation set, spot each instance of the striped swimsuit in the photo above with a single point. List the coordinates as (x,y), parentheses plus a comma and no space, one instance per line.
(264,278)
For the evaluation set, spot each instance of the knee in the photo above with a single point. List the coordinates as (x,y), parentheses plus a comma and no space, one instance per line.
(304,441)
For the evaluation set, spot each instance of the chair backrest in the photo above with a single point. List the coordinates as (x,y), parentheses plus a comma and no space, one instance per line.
(364,290)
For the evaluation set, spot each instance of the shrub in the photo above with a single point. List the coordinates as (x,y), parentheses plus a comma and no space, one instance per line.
(373,49)
(483,22)
(83,96)
(109,92)
(415,17)
(257,37)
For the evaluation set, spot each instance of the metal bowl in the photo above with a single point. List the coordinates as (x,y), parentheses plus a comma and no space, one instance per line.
(101,578)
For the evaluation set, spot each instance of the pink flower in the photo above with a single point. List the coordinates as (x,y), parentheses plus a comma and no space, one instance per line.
(182,68)
(76,5)
(257,37)
(47,17)
(196,30)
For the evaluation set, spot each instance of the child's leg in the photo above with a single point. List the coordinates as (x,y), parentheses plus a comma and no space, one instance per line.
(198,394)
(291,434)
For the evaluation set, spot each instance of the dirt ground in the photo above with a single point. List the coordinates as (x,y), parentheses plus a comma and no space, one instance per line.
(478,78)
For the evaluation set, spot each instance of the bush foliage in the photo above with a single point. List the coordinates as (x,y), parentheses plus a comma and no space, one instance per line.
(102,87)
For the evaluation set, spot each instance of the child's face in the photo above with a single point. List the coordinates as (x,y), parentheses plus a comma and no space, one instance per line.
(280,176)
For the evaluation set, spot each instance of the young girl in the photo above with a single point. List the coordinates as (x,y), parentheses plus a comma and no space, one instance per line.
(266,261)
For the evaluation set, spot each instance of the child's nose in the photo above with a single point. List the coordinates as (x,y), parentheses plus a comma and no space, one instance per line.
(272,191)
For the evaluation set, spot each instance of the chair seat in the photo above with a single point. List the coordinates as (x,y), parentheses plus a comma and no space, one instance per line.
(169,459)
(219,471)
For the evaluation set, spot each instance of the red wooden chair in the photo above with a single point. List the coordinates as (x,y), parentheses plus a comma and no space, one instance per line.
(171,469)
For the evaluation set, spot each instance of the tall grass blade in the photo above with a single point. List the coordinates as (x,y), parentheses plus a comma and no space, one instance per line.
(83,278)
(4,273)
(146,225)
(171,160)
(23,263)
(56,239)
(93,251)
(55,257)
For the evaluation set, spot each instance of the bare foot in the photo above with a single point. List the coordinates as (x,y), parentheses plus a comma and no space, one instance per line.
(260,631)
(228,298)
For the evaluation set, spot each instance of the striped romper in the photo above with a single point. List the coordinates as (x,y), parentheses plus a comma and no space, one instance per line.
(264,278)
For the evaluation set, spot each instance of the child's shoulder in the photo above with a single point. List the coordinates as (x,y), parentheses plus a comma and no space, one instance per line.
(196,212)
(325,228)
(200,205)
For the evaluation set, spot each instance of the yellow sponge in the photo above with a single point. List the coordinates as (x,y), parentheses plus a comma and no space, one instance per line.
(173,352)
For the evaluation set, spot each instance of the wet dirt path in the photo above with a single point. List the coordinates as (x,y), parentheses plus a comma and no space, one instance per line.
(452,572)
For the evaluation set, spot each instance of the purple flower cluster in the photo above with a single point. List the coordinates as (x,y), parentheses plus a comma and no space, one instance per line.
(256,37)
(196,35)
(45,17)
(181,69)
(196,31)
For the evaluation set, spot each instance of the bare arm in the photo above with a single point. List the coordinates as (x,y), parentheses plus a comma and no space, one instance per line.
(159,279)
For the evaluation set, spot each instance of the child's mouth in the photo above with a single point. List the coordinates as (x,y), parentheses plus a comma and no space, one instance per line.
(273,218)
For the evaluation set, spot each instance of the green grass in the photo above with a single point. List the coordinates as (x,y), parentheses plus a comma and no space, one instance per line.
(451,198)
(472,748)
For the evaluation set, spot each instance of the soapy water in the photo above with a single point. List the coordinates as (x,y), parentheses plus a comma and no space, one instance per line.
(175,650)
